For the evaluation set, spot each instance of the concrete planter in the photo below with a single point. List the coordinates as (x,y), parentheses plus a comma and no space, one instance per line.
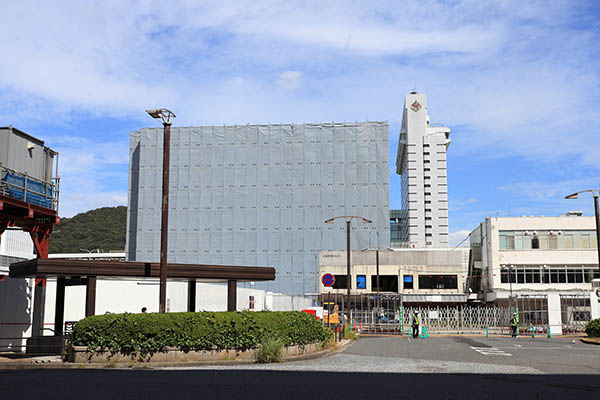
(81,355)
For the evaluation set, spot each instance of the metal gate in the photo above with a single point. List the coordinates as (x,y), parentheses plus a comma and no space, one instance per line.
(575,312)
(389,315)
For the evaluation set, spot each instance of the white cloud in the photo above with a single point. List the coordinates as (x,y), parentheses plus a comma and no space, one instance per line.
(289,80)
(92,174)
(459,238)
(507,77)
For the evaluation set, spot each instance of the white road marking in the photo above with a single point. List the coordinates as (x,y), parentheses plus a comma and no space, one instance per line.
(490,351)
(544,348)
(518,345)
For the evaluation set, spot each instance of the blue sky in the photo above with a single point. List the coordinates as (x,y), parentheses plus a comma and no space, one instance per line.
(517,82)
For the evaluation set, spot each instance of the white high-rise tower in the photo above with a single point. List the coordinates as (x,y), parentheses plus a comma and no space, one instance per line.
(421,164)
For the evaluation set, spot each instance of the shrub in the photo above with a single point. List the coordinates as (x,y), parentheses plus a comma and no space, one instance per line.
(149,333)
(593,328)
(348,333)
(270,350)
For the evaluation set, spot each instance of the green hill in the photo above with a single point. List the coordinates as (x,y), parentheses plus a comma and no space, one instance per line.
(102,228)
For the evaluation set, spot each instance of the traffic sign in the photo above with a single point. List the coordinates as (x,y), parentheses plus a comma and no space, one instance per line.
(328,280)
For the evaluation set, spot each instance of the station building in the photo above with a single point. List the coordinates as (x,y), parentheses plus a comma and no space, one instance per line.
(418,276)
(542,265)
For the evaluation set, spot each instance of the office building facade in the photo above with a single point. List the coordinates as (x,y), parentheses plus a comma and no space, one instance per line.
(421,164)
(259,195)
(544,266)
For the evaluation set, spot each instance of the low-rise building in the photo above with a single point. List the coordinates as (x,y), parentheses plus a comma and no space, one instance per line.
(542,266)
(421,276)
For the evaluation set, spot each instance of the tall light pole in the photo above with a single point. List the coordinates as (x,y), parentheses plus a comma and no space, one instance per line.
(595,193)
(510,267)
(167,118)
(348,219)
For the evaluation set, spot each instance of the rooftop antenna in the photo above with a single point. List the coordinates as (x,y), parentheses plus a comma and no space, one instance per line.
(414,90)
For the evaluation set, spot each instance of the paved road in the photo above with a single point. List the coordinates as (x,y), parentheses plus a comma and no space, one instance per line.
(541,355)
(453,354)
(375,367)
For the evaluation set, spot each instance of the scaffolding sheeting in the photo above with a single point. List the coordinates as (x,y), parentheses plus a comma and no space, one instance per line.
(259,195)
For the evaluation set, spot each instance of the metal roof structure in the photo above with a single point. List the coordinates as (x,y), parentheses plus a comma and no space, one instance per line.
(70,272)
(56,267)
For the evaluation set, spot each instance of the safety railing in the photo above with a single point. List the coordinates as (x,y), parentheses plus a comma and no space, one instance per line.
(14,338)
(23,187)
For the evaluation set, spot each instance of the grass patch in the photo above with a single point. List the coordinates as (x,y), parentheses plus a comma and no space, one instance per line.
(269,351)
(348,333)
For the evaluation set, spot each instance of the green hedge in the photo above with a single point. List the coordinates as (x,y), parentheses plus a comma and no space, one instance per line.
(593,328)
(149,333)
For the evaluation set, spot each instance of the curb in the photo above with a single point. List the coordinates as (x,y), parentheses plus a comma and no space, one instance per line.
(589,341)
(434,335)
(15,365)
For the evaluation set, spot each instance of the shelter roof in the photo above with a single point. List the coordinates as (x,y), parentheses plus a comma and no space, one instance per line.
(57,267)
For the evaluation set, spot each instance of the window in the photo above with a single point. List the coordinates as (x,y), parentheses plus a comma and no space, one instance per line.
(250,302)
(562,276)
(546,276)
(520,275)
(361,281)
(408,281)
(535,242)
(544,242)
(530,275)
(340,282)
(585,241)
(510,242)
(438,282)
(547,240)
(504,276)
(553,276)
(526,242)
(568,241)
(388,283)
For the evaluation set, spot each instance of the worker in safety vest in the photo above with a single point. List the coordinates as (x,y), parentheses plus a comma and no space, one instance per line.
(415,325)
(514,324)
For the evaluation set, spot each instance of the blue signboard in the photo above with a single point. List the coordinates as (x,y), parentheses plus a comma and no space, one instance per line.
(361,282)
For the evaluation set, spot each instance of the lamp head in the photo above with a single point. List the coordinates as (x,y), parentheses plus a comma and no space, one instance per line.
(572,196)
(162,113)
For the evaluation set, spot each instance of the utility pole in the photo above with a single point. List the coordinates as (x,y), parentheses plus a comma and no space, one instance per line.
(348,219)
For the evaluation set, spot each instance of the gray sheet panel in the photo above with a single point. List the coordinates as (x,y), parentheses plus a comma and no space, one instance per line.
(258,194)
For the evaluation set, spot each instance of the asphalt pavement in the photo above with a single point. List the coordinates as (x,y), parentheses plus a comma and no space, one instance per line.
(457,367)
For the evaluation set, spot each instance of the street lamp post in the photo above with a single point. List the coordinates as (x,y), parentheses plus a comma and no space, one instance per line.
(595,193)
(348,219)
(510,299)
(167,118)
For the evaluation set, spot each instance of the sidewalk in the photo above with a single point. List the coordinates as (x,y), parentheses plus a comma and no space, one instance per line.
(8,359)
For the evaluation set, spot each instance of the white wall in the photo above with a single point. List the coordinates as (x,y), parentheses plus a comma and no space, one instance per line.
(119,296)
(16,243)
(16,304)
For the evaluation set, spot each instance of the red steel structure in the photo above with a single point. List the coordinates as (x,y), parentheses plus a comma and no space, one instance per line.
(18,208)
(38,221)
